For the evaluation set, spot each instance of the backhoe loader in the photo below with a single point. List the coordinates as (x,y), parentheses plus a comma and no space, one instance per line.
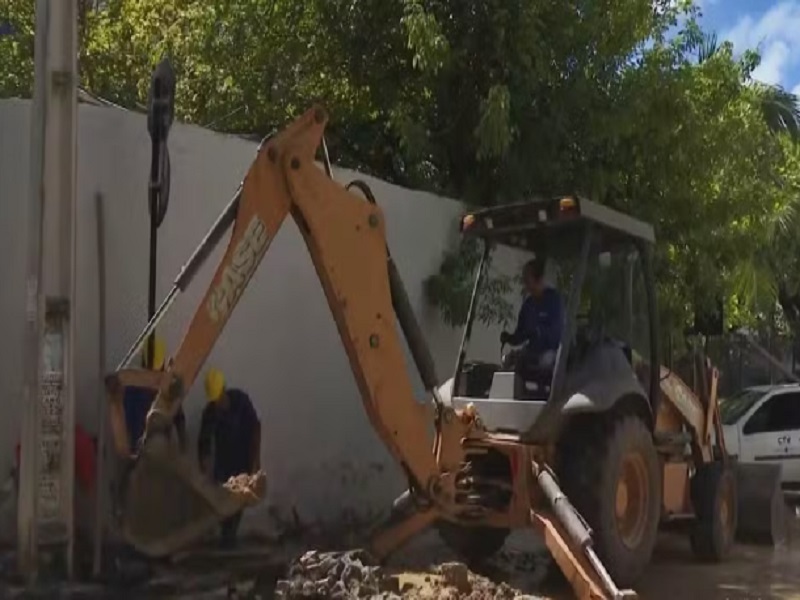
(504,442)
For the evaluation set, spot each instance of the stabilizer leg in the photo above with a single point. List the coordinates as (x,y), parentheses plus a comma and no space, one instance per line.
(569,540)
(576,569)
(407,520)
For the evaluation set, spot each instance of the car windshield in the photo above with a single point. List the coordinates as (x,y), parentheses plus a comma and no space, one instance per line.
(731,409)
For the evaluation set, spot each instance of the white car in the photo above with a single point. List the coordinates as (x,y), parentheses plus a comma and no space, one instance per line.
(762,425)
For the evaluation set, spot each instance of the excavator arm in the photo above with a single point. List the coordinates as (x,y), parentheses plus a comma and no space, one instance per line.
(346,239)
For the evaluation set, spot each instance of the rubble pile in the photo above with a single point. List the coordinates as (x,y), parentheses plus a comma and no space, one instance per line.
(351,575)
(253,486)
(338,576)
(456,582)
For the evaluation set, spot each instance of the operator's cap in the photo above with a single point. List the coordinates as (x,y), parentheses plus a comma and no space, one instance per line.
(215,384)
(159,353)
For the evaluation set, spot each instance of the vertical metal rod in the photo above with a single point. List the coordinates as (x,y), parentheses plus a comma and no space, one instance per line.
(68,100)
(327,159)
(102,414)
(27,506)
(646,258)
(154,200)
(473,305)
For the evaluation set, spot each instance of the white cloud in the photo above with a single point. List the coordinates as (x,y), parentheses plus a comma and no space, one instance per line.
(775,58)
(776,34)
(796,90)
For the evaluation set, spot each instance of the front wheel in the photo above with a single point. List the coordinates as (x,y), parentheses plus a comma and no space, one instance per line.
(713,490)
(610,472)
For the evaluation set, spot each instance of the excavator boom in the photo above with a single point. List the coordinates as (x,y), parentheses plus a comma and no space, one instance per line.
(346,239)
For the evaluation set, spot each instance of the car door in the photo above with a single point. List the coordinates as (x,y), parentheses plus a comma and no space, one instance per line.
(771,433)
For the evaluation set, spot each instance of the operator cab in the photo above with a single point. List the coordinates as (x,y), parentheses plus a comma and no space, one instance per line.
(598,262)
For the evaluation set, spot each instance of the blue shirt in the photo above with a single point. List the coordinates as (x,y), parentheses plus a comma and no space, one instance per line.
(232,430)
(540,322)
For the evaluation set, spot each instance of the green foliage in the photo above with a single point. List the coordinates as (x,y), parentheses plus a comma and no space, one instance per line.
(451,288)
(628,102)
(16,50)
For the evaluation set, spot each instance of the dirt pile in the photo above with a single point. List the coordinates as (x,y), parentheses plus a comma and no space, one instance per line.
(336,575)
(453,581)
(352,575)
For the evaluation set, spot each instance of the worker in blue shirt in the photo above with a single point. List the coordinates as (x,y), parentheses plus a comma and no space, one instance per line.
(541,318)
(229,423)
(137,401)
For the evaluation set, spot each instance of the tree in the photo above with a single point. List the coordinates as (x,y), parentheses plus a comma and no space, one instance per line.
(16,48)
(627,102)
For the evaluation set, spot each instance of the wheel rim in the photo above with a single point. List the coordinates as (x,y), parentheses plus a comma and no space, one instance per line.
(632,500)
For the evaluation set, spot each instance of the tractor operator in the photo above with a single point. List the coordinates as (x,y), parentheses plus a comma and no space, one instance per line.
(541,319)
(230,422)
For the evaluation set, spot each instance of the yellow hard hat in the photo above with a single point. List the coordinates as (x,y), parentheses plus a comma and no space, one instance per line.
(215,384)
(159,353)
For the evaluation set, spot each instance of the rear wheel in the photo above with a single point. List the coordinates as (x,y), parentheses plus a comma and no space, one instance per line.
(713,490)
(610,472)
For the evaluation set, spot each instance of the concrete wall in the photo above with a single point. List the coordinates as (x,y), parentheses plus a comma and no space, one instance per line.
(320,454)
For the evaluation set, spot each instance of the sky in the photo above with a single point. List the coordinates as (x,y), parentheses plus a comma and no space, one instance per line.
(772,26)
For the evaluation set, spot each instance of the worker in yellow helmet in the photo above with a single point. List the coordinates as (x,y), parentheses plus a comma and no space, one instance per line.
(138,400)
(230,423)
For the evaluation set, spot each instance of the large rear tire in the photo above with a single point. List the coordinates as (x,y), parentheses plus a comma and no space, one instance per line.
(713,490)
(610,471)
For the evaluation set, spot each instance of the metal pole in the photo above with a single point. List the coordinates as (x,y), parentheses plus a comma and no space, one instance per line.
(45,519)
(102,413)
(161,112)
(27,504)
(153,200)
(68,98)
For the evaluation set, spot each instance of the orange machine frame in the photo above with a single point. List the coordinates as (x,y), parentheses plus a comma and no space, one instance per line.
(346,239)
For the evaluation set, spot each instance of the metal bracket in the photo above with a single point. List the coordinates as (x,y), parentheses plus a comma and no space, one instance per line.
(57,306)
(61,79)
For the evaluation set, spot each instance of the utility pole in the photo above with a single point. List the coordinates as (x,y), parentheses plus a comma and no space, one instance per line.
(47,463)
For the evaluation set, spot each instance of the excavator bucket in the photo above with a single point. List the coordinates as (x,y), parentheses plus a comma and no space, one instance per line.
(168,503)
(763,517)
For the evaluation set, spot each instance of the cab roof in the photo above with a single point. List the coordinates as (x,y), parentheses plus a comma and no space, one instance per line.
(555,221)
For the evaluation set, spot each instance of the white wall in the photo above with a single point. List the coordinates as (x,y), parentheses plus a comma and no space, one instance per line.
(320,454)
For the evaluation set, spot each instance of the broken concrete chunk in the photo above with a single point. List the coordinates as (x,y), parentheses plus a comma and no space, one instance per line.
(456,575)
